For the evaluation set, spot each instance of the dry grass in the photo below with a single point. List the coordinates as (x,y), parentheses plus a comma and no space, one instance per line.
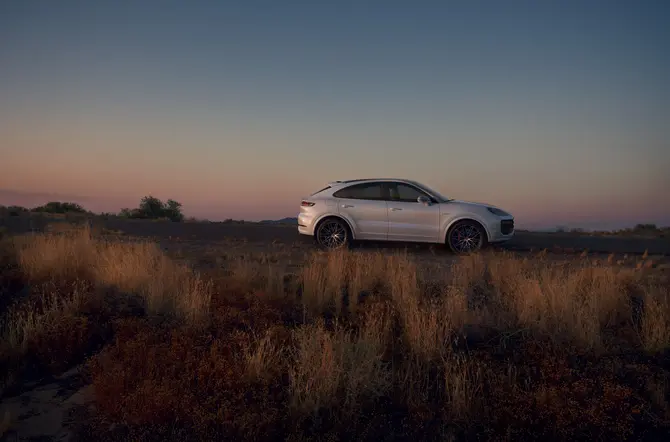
(140,268)
(655,330)
(265,357)
(336,369)
(560,302)
(66,274)
(526,347)
(25,325)
(463,386)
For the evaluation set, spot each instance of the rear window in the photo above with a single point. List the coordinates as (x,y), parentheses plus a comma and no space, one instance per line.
(319,191)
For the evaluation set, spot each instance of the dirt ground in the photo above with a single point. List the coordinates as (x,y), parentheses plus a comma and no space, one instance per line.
(264,235)
(45,410)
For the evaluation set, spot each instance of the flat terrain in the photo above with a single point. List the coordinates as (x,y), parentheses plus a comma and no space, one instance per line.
(267,234)
(140,330)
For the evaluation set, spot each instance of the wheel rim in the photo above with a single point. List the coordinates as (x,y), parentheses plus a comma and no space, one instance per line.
(466,238)
(332,235)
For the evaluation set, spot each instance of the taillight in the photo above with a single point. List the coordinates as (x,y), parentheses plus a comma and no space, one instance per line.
(306,203)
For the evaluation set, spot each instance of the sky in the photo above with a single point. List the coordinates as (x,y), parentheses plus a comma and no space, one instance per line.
(558,112)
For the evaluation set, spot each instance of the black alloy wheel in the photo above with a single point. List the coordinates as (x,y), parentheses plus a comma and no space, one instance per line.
(466,237)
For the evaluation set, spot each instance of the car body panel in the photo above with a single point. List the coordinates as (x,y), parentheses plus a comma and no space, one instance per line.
(413,222)
(368,218)
(455,211)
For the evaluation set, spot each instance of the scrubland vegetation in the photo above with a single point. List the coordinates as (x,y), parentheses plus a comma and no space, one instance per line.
(150,207)
(639,230)
(354,345)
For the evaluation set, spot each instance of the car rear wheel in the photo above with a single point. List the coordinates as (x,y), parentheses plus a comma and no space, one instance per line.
(332,234)
(466,237)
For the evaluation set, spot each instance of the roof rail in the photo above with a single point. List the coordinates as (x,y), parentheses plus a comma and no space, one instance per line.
(366,179)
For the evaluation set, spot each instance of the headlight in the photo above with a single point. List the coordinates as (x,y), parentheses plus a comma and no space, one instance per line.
(497,212)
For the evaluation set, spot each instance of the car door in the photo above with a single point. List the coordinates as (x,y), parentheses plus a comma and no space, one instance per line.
(410,220)
(365,206)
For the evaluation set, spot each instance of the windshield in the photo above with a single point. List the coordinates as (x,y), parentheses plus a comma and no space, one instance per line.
(441,198)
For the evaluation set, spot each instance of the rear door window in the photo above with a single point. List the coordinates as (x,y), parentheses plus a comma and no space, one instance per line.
(365,191)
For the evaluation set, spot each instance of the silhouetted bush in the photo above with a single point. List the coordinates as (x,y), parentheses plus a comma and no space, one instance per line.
(153,208)
(59,207)
(12,210)
(646,227)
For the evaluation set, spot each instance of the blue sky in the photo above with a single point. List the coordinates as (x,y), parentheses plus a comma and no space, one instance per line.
(557,111)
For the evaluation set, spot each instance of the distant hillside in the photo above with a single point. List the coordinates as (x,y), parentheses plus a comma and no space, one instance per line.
(288,220)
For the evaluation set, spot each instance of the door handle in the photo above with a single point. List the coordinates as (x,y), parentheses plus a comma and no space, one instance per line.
(395,208)
(347,205)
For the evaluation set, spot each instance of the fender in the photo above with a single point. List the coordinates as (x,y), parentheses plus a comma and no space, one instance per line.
(470,216)
(336,215)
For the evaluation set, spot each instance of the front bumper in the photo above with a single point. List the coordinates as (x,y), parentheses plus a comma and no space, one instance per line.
(502,230)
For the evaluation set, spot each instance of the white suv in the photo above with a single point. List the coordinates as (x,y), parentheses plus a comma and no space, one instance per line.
(399,210)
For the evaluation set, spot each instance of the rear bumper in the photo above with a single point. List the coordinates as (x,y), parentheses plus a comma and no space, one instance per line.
(305,224)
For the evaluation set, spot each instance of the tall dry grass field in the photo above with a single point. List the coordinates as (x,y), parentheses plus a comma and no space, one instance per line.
(130,267)
(361,345)
(67,278)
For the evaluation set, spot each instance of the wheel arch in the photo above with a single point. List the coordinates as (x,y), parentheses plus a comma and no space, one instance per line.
(334,216)
(473,219)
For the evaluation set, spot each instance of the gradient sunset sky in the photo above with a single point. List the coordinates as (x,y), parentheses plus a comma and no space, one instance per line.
(556,111)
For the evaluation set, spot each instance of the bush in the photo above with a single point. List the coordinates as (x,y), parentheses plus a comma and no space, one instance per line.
(153,208)
(12,210)
(59,207)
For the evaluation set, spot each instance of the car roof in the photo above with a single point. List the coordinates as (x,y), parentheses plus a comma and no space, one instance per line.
(363,180)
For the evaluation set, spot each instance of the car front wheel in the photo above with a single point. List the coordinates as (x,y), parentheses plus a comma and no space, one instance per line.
(466,237)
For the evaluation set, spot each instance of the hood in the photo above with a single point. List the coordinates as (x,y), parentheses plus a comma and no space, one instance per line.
(479,207)
(471,203)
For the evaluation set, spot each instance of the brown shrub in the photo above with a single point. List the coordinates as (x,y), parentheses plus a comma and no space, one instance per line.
(561,401)
(160,379)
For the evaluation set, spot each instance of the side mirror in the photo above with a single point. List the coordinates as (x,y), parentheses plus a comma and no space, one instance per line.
(423,200)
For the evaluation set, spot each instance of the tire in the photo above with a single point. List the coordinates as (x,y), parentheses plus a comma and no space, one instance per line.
(333,234)
(466,237)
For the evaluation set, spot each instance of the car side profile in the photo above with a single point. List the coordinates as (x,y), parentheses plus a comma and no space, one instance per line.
(399,210)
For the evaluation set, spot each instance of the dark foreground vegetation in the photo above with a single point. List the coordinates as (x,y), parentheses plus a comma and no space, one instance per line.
(363,346)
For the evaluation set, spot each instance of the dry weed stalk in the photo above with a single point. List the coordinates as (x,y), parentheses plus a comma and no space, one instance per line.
(655,324)
(336,368)
(265,357)
(463,386)
(24,325)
